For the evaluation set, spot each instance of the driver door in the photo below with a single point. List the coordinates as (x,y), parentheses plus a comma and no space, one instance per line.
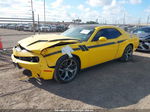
(102,51)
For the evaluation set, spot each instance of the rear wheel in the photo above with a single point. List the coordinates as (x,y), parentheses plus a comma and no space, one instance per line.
(128,54)
(66,69)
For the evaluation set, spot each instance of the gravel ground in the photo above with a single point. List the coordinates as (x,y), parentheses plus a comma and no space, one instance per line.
(11,37)
(112,85)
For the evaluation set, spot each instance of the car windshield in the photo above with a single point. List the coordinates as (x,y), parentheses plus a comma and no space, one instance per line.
(80,33)
(142,30)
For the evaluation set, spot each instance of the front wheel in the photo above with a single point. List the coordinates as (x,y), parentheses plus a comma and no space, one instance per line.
(66,69)
(128,54)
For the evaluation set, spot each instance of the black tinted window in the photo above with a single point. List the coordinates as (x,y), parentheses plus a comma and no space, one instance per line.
(109,33)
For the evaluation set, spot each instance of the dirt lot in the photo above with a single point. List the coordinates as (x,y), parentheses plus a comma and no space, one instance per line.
(11,37)
(109,85)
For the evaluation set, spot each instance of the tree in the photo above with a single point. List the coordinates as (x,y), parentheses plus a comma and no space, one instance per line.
(91,22)
(77,20)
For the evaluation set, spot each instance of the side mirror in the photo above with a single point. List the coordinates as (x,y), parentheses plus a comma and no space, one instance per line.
(102,39)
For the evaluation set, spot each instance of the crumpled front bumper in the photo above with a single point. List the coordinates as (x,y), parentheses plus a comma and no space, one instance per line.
(38,69)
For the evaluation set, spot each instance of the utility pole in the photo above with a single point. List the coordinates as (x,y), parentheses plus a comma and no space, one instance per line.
(38,24)
(124,19)
(139,21)
(44,13)
(33,17)
(105,21)
(148,19)
(97,20)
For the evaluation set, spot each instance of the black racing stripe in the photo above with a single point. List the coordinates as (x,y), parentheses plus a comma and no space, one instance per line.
(120,41)
(85,47)
(101,45)
(52,53)
(38,41)
(82,48)
(75,49)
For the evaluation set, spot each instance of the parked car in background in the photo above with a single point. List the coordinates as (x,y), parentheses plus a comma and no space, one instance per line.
(1,25)
(27,27)
(124,27)
(144,35)
(130,28)
(11,26)
(53,28)
(45,28)
(38,27)
(60,28)
(20,27)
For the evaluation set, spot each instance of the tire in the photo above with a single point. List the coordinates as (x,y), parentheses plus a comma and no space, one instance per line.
(66,69)
(128,54)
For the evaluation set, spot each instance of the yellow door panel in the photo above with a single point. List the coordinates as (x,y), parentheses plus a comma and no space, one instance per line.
(100,52)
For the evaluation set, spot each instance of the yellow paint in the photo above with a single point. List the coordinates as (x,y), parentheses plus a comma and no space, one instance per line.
(88,58)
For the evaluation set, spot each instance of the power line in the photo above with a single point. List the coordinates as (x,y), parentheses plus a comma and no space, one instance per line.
(16,18)
(14,21)
(44,12)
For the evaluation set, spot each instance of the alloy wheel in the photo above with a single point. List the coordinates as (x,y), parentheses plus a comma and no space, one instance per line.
(129,53)
(67,69)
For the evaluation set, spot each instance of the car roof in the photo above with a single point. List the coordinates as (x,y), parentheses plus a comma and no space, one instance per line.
(145,27)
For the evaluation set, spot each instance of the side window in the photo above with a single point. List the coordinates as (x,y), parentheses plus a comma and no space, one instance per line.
(99,34)
(109,33)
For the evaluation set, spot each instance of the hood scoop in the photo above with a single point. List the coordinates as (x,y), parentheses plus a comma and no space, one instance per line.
(49,41)
(37,42)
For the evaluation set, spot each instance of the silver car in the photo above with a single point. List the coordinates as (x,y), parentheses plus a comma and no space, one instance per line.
(45,28)
(144,35)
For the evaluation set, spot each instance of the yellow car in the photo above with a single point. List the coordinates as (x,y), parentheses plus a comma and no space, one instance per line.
(62,56)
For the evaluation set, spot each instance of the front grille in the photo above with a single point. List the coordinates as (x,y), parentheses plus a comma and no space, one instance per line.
(29,59)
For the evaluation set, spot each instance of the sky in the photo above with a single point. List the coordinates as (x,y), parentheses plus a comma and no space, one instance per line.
(110,11)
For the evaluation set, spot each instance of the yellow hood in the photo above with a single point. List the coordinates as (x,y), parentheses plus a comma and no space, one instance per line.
(37,43)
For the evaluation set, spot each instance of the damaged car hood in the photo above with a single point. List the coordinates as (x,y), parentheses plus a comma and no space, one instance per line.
(37,43)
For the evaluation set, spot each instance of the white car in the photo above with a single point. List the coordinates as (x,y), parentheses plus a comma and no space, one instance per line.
(45,28)
(27,28)
(53,27)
